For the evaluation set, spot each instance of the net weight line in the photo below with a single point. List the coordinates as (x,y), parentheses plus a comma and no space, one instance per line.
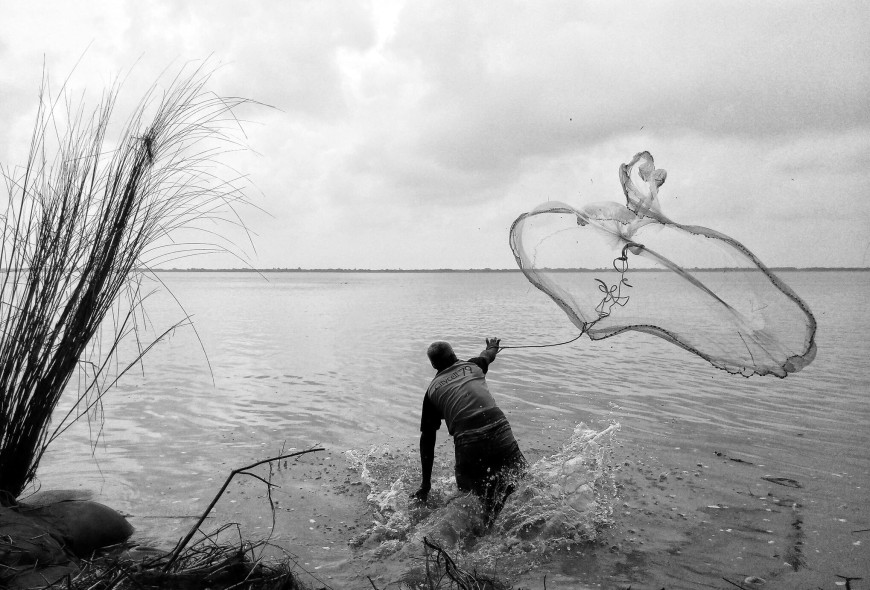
(612,296)
(545,345)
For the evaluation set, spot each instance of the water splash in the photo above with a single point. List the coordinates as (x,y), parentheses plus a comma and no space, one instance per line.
(565,498)
(388,476)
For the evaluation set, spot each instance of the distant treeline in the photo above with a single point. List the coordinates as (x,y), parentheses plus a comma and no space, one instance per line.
(498,270)
(495,270)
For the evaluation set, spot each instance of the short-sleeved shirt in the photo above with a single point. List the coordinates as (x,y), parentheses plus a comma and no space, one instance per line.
(459,396)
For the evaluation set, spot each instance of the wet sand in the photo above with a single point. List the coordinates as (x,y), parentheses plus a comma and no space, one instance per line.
(684,517)
(701,517)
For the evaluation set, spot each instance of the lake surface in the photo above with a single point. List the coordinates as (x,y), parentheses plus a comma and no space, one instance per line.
(707,475)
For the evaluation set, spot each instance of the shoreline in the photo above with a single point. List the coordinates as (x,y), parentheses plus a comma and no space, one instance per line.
(491,270)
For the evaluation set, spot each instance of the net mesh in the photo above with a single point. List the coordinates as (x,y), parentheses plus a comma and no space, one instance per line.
(599,263)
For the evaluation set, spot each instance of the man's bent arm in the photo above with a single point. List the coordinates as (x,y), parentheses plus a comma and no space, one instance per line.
(427,458)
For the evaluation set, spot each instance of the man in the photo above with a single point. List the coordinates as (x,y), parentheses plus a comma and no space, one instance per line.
(488,459)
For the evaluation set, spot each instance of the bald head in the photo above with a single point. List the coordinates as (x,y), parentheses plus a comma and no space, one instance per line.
(441,355)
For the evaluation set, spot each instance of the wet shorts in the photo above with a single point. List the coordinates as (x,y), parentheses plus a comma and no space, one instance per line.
(488,462)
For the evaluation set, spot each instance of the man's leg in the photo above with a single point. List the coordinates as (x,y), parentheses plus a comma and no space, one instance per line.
(501,485)
(490,468)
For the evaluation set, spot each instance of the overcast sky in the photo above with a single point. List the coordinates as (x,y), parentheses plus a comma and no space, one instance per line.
(412,134)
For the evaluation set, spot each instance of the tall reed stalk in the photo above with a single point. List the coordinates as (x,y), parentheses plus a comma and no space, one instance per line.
(83,223)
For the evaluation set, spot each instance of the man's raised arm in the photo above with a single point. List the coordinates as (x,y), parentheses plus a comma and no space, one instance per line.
(491,349)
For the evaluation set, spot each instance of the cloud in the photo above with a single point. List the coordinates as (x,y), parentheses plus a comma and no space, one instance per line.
(421,127)
(516,75)
(463,98)
(283,54)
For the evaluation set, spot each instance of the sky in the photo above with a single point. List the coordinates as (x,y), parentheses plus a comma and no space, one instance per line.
(404,134)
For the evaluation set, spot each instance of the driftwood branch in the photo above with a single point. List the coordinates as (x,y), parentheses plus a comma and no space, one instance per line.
(463,579)
(243,470)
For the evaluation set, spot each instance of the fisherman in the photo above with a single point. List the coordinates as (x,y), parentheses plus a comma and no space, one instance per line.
(488,459)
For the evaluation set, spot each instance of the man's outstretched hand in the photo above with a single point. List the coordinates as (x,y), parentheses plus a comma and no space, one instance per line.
(491,349)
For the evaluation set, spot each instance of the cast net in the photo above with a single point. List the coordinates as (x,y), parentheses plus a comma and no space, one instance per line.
(614,267)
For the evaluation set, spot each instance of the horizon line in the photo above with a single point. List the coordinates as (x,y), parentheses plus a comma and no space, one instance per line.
(489,270)
(501,270)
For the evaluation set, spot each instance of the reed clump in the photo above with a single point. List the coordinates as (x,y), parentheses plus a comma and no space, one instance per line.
(83,221)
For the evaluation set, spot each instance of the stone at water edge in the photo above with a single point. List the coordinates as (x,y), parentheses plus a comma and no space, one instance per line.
(84,526)
(31,554)
(26,541)
(47,497)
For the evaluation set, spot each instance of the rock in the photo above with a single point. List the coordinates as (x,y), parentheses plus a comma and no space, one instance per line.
(32,555)
(42,577)
(84,526)
(47,497)
(42,537)
(25,541)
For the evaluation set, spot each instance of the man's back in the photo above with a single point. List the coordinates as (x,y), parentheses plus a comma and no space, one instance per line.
(459,395)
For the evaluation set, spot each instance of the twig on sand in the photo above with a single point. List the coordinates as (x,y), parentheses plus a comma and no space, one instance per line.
(783,481)
(848,580)
(242,470)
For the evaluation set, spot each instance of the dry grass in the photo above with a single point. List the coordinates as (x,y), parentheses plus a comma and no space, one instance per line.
(209,563)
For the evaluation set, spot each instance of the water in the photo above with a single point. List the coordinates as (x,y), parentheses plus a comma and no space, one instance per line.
(697,484)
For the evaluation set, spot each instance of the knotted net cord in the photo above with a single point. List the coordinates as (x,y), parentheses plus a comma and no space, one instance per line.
(612,296)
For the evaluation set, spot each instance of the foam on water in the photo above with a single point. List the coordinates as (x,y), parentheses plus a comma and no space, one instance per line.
(565,498)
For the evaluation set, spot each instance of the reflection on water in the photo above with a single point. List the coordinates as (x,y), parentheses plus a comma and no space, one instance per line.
(338,360)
